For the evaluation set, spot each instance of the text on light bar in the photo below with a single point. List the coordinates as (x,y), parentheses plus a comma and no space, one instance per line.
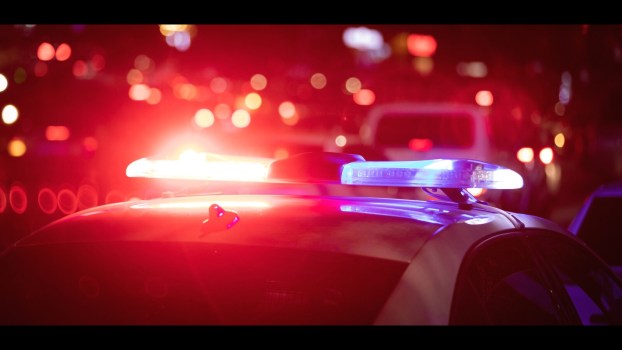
(439,173)
(202,166)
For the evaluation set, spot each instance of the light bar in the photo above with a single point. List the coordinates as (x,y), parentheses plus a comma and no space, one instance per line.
(438,173)
(202,166)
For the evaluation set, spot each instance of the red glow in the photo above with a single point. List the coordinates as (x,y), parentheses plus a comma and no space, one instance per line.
(3,200)
(114,196)
(155,96)
(67,201)
(18,199)
(364,97)
(421,45)
(41,69)
(45,52)
(98,62)
(87,197)
(420,145)
(484,98)
(525,154)
(546,155)
(47,200)
(80,69)
(56,133)
(90,143)
(63,52)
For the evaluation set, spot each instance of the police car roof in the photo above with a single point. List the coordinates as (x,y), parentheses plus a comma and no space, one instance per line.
(392,229)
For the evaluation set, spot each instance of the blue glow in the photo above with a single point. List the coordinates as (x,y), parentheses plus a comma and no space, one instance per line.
(441,173)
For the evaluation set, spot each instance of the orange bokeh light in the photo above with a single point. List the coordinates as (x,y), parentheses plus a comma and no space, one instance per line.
(45,51)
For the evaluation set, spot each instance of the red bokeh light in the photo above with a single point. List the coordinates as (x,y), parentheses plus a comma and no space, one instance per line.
(45,52)
(364,97)
(525,154)
(57,133)
(63,52)
(484,98)
(421,45)
(420,145)
(80,69)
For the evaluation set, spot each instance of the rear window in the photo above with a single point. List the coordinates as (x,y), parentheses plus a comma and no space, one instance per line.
(190,283)
(600,229)
(443,130)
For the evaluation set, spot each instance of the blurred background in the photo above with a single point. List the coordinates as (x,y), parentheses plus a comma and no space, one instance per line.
(81,102)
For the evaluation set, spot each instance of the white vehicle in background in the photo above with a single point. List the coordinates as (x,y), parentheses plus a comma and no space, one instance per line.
(415,131)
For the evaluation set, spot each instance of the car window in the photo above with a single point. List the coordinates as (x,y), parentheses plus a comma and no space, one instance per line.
(190,283)
(599,231)
(447,130)
(502,285)
(590,286)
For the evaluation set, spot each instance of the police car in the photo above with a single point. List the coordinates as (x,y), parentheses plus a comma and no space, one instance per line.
(290,257)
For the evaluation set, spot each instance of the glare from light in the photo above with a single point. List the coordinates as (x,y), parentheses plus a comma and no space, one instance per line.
(139,92)
(363,39)
(484,98)
(154,96)
(252,100)
(134,76)
(364,97)
(80,69)
(63,52)
(423,65)
(240,118)
(204,118)
(560,140)
(218,85)
(168,29)
(41,69)
(18,198)
(476,192)
(57,133)
(421,45)
(287,110)
(45,52)
(47,201)
(142,62)
(4,83)
(16,147)
(259,82)
(67,201)
(341,141)
(546,155)
(87,197)
(90,143)
(281,153)
(191,155)
(353,85)
(318,81)
(525,154)
(9,114)
(222,111)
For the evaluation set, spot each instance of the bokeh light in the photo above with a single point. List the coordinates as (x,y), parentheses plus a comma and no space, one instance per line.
(16,147)
(40,69)
(240,118)
(67,201)
(18,198)
(318,81)
(421,45)
(423,65)
(259,82)
(353,85)
(364,97)
(222,111)
(90,143)
(560,140)
(3,200)
(546,155)
(287,110)
(218,85)
(80,69)
(139,92)
(4,83)
(252,100)
(57,133)
(9,114)
(341,141)
(204,118)
(19,76)
(155,95)
(87,197)
(45,52)
(47,200)
(134,76)
(63,52)
(484,98)
(525,154)
(98,62)
(291,121)
(143,62)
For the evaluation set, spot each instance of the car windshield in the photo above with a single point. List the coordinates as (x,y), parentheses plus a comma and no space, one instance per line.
(191,283)
(432,130)
(599,230)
